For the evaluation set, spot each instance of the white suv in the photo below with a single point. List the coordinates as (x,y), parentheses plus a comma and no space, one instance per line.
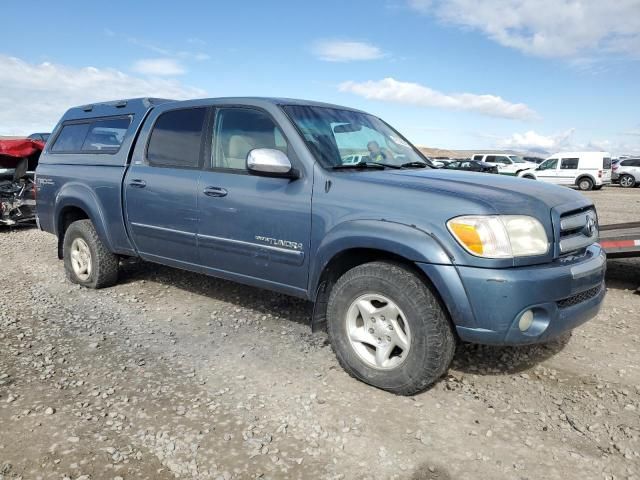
(507,164)
(627,172)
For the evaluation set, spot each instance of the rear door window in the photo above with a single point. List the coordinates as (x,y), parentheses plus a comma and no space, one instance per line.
(606,163)
(176,139)
(569,164)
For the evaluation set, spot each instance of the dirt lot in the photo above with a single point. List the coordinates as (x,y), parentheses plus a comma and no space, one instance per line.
(172,374)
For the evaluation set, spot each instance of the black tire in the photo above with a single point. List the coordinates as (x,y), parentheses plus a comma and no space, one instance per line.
(529,177)
(104,264)
(627,181)
(599,187)
(432,344)
(585,183)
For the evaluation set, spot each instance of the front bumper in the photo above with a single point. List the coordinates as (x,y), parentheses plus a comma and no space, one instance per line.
(486,304)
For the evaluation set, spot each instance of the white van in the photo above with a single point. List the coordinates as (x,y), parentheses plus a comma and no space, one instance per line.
(585,170)
(507,164)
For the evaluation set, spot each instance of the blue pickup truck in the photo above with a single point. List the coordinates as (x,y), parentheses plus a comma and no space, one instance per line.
(401,260)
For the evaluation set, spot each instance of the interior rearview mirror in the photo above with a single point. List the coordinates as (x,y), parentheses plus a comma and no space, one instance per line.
(347,128)
(270,162)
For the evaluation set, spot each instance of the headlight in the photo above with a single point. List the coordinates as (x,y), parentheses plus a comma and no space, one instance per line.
(499,236)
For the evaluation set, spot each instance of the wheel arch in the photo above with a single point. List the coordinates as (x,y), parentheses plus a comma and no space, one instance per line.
(350,247)
(77,202)
(585,175)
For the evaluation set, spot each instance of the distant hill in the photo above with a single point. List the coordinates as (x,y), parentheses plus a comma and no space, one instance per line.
(441,152)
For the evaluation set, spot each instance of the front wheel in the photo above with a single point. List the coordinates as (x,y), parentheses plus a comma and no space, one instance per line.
(627,181)
(585,184)
(86,259)
(388,328)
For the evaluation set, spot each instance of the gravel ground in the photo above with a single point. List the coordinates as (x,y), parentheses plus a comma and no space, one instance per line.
(172,374)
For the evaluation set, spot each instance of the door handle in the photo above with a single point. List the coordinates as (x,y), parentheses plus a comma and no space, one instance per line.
(138,183)
(215,192)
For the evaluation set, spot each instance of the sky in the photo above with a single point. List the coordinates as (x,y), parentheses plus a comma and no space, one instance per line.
(535,76)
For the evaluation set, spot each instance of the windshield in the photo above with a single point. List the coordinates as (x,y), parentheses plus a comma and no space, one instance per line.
(517,159)
(339,137)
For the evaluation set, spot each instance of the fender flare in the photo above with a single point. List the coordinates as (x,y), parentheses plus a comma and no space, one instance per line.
(75,194)
(406,241)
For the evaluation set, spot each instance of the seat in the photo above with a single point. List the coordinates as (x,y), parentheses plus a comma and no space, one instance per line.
(239,148)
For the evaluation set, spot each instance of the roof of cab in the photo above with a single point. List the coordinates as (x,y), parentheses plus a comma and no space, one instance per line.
(115,107)
(135,105)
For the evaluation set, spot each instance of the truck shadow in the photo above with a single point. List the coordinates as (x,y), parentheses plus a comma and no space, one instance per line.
(7,229)
(623,273)
(469,358)
(218,290)
(492,360)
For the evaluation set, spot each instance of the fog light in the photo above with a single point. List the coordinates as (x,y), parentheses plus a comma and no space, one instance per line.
(526,319)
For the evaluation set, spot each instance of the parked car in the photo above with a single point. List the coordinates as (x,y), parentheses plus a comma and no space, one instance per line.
(400,259)
(626,172)
(472,166)
(353,159)
(586,170)
(42,137)
(18,160)
(536,160)
(440,163)
(507,164)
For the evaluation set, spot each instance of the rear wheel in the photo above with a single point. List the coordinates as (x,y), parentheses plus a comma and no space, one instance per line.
(86,260)
(388,328)
(585,183)
(627,181)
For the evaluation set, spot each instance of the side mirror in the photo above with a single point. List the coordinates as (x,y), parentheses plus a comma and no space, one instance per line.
(270,162)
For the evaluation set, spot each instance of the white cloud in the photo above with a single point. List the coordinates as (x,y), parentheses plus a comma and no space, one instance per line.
(345,51)
(34,96)
(391,90)
(548,28)
(535,142)
(565,141)
(158,67)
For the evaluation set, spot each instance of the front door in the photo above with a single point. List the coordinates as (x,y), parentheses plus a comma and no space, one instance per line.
(161,189)
(548,171)
(253,229)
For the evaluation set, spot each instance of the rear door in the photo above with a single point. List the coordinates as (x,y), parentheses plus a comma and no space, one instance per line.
(254,229)
(160,187)
(568,171)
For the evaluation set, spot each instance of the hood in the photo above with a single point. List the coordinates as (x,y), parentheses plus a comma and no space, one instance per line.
(500,193)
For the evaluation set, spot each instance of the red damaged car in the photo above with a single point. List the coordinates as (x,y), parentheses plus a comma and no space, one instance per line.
(18,161)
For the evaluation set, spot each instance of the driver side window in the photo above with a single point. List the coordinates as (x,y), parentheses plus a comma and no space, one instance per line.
(240,130)
(549,164)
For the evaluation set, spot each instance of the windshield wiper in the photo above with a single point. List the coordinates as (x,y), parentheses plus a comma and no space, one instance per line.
(377,165)
(414,165)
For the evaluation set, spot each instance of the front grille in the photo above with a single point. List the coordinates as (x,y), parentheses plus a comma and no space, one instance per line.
(579,297)
(578,230)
